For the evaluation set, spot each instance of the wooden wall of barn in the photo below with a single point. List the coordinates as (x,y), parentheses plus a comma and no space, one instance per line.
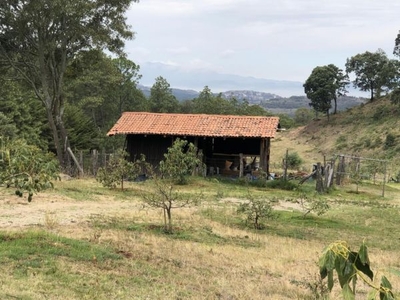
(155,146)
(152,146)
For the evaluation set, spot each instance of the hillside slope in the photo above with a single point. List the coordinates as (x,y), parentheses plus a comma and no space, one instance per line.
(370,130)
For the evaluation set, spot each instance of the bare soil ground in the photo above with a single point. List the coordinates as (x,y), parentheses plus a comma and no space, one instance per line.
(16,212)
(49,208)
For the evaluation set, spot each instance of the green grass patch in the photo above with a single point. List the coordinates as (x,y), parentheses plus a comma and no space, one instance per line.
(34,246)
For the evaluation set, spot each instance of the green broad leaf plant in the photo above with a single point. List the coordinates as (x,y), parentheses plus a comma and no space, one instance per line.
(350,266)
(26,168)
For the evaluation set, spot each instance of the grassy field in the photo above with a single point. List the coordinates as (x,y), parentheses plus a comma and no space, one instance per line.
(83,241)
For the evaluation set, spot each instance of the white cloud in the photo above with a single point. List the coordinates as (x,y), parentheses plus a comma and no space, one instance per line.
(168,63)
(262,38)
(227,53)
(178,50)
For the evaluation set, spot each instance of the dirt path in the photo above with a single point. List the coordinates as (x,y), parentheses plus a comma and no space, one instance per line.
(46,208)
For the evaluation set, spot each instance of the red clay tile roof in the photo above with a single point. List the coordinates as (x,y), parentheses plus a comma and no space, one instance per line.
(195,125)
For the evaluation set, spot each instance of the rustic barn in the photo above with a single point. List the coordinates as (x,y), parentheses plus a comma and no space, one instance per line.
(228,144)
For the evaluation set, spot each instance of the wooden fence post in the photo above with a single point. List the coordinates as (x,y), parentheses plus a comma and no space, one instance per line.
(319,184)
(76,161)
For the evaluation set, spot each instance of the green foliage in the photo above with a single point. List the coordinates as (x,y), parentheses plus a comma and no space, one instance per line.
(82,131)
(395,96)
(21,116)
(374,72)
(25,246)
(282,184)
(341,142)
(390,141)
(180,161)
(381,113)
(26,168)
(324,85)
(350,266)
(209,103)
(314,204)
(285,121)
(161,98)
(303,115)
(99,89)
(256,211)
(39,40)
(118,168)
(293,160)
(164,195)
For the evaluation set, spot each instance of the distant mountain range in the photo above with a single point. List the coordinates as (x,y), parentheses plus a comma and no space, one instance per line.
(271,102)
(276,96)
(198,79)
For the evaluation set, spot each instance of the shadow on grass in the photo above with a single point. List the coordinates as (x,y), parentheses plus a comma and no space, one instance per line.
(202,234)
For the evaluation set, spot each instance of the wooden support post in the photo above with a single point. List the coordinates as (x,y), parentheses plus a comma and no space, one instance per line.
(241,165)
(264,155)
(384,180)
(267,154)
(76,161)
(340,170)
(81,159)
(95,157)
(285,165)
(319,183)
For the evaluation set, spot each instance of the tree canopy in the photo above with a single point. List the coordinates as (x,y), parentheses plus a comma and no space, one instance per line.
(374,72)
(323,86)
(161,98)
(38,39)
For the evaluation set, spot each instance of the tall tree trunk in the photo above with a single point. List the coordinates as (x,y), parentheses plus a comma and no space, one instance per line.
(372,92)
(169,220)
(335,106)
(54,133)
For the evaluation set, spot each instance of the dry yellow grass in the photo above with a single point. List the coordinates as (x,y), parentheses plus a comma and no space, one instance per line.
(160,267)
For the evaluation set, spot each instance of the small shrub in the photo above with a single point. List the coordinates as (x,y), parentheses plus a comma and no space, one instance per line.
(165,196)
(180,161)
(26,168)
(281,184)
(256,210)
(117,169)
(341,139)
(381,112)
(314,204)
(390,141)
(293,160)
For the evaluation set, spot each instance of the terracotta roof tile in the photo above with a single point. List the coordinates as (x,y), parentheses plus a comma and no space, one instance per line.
(195,125)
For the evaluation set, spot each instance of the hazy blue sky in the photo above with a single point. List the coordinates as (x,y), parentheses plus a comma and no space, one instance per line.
(282,39)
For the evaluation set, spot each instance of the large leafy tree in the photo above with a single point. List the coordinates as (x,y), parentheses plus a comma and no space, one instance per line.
(395,95)
(38,39)
(103,87)
(161,98)
(324,85)
(396,50)
(90,78)
(374,72)
(340,81)
(126,94)
(208,103)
